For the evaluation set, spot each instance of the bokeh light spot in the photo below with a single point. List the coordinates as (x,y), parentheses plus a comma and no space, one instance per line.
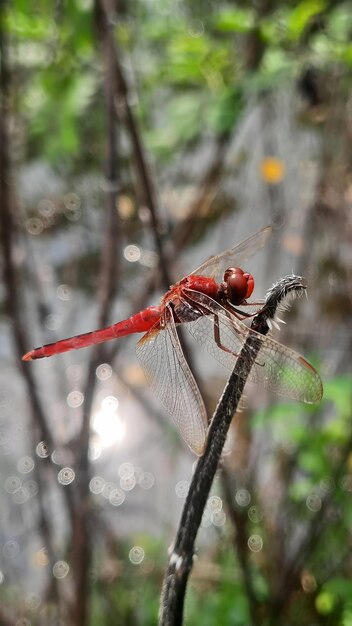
(97,484)
(42,450)
(132,253)
(12,484)
(10,549)
(255,543)
(64,292)
(117,497)
(104,371)
(20,496)
(313,502)
(272,170)
(255,515)
(243,497)
(181,488)
(34,226)
(128,483)
(75,399)
(146,480)
(214,504)
(61,569)
(66,476)
(25,465)
(136,555)
(126,470)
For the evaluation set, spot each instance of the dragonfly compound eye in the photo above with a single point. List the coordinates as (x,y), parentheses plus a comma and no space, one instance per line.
(239,284)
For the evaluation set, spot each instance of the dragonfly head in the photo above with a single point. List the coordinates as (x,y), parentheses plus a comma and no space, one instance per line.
(238,284)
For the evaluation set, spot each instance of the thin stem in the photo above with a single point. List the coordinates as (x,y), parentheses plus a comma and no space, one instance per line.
(180,563)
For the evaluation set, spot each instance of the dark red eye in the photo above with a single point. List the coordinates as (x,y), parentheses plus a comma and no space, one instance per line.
(239,284)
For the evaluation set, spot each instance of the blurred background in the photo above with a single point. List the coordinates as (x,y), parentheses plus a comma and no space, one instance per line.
(137,139)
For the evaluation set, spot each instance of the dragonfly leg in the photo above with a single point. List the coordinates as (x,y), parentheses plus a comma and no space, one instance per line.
(217,337)
(242,314)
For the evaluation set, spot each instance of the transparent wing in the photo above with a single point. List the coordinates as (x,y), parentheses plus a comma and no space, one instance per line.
(160,355)
(277,367)
(216,265)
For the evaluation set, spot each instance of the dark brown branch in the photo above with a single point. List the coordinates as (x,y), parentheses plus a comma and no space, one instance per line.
(107,12)
(81,538)
(180,563)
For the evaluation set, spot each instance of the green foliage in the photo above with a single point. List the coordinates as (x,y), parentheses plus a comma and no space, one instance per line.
(192,62)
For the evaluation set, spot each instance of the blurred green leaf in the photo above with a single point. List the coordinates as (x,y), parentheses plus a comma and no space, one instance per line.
(301,15)
(234,20)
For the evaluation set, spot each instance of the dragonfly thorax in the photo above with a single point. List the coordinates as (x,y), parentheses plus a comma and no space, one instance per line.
(238,285)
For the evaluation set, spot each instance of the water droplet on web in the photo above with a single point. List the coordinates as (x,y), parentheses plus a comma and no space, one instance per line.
(97,484)
(61,569)
(126,470)
(10,549)
(243,497)
(42,450)
(104,371)
(2,577)
(181,488)
(146,480)
(136,555)
(66,476)
(255,543)
(75,399)
(25,465)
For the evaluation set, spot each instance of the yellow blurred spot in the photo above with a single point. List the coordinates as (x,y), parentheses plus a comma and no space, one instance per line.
(125,207)
(272,170)
(41,558)
(308,582)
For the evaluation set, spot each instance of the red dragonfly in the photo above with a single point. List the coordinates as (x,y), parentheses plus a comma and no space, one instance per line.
(206,302)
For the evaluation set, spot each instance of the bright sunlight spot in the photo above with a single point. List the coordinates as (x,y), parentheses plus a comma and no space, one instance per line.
(108,425)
